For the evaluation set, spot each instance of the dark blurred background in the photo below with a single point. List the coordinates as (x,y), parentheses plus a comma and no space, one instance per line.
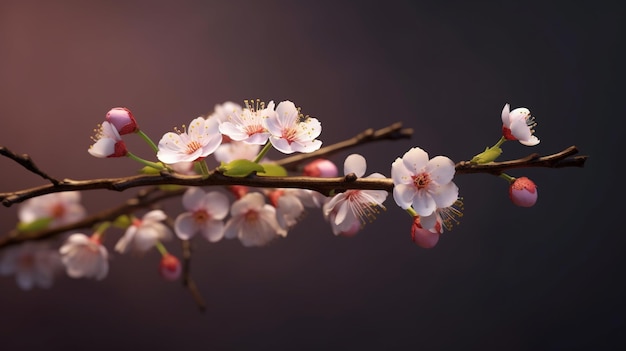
(507,278)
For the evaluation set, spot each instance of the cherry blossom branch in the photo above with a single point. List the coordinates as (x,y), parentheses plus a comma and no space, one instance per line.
(145,198)
(326,186)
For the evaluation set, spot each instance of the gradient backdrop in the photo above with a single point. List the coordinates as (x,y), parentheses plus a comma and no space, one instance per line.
(508,278)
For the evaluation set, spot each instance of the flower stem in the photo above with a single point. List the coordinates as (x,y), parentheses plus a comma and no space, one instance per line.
(264,151)
(147,139)
(145,162)
(507,177)
(98,233)
(203,168)
(500,142)
(411,212)
(161,248)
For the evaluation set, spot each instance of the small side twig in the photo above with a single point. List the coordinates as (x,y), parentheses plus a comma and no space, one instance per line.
(188,280)
(391,132)
(558,160)
(26,162)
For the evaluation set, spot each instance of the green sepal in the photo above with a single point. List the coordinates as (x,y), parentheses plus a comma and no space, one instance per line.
(122,222)
(38,224)
(240,168)
(274,170)
(149,170)
(489,155)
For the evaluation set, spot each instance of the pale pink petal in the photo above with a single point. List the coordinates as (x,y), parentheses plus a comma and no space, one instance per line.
(520,129)
(532,141)
(192,199)
(441,169)
(342,211)
(154,216)
(281,145)
(423,203)
(445,195)
(213,231)
(185,226)
(399,173)
(216,204)
(306,147)
(356,164)
(124,242)
(103,148)
(403,195)
(505,115)
(415,160)
(429,222)
(233,132)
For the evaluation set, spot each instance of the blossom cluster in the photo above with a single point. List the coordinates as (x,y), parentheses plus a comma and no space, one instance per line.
(238,138)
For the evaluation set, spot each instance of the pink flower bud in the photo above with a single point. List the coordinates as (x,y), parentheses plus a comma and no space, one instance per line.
(424,238)
(123,120)
(523,192)
(321,168)
(170,267)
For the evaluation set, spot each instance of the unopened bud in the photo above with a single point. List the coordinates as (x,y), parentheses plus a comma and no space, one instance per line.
(170,267)
(123,120)
(523,192)
(321,168)
(424,238)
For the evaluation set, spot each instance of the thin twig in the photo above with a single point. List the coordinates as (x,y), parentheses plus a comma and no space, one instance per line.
(558,160)
(391,132)
(188,280)
(26,162)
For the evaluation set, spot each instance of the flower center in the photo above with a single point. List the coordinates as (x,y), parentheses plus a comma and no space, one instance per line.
(289,134)
(421,180)
(26,261)
(254,129)
(58,210)
(252,216)
(201,216)
(193,146)
(363,205)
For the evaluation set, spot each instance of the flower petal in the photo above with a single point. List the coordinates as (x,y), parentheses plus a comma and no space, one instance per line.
(445,195)
(185,226)
(356,164)
(415,160)
(399,173)
(216,204)
(423,203)
(403,195)
(441,169)
(193,198)
(505,115)
(213,231)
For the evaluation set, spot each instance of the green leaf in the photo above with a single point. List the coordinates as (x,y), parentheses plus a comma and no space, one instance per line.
(274,170)
(38,224)
(240,168)
(489,155)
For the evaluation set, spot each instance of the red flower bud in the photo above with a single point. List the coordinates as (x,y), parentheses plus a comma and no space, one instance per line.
(424,238)
(523,192)
(321,168)
(123,120)
(170,267)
